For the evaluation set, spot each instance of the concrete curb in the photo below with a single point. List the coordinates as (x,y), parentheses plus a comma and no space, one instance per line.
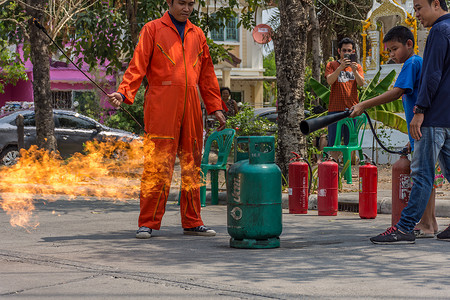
(350,201)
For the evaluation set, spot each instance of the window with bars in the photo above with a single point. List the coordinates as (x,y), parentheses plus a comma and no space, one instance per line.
(62,99)
(227,33)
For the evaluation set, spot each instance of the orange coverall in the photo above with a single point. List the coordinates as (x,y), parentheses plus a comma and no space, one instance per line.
(172,114)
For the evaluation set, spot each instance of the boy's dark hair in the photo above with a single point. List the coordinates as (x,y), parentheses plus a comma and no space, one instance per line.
(346,41)
(225,88)
(399,34)
(443,4)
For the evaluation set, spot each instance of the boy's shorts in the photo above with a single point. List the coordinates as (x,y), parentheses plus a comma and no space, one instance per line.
(438,177)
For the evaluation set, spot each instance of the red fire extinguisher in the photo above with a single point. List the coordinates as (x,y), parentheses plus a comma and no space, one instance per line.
(298,185)
(401,186)
(327,191)
(368,176)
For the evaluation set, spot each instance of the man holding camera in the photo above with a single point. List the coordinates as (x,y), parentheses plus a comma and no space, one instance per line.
(343,76)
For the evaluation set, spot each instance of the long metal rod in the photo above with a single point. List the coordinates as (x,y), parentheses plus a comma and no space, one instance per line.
(38,25)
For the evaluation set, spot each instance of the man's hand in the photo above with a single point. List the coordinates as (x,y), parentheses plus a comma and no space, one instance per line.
(221,118)
(357,110)
(354,66)
(414,126)
(115,99)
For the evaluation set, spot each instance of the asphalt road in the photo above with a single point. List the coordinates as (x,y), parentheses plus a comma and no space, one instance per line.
(85,249)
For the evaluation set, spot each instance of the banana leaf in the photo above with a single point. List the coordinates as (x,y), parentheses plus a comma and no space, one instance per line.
(395,106)
(381,87)
(320,90)
(389,119)
(369,88)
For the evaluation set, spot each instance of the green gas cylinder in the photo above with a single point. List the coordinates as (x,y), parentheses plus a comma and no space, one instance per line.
(254,195)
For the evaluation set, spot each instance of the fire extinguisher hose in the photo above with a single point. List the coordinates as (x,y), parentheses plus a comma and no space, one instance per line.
(299,157)
(402,152)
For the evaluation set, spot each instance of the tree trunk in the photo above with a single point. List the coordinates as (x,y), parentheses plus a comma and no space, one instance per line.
(316,45)
(132,6)
(290,52)
(45,126)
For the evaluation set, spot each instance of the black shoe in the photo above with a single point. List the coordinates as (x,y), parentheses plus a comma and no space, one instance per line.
(444,235)
(200,230)
(394,236)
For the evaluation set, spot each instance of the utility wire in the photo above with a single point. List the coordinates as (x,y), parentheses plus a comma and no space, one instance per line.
(335,12)
(39,25)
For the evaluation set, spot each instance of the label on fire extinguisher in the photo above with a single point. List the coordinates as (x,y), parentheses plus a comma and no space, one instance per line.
(322,193)
(405,187)
(360,184)
(290,191)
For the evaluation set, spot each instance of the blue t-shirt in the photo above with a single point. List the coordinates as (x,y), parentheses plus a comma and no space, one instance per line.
(408,79)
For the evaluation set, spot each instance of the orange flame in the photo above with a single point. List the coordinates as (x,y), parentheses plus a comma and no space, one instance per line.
(110,169)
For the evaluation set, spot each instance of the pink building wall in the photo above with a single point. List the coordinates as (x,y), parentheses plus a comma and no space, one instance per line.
(63,77)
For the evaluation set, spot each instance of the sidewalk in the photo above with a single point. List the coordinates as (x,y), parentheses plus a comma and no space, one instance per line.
(85,249)
(349,201)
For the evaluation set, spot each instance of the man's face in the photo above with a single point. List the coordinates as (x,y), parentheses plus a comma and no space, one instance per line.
(427,13)
(181,9)
(346,49)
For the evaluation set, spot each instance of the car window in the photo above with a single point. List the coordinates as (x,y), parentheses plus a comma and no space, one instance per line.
(66,121)
(29,121)
(272,117)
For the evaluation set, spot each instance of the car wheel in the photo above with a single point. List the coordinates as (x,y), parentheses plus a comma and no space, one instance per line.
(9,156)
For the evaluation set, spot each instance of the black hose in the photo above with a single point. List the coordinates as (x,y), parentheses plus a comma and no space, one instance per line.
(310,176)
(39,25)
(402,152)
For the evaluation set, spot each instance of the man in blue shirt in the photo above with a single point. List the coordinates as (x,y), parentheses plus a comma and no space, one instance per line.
(430,126)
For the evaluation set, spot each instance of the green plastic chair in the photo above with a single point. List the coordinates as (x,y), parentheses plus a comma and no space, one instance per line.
(224,141)
(354,125)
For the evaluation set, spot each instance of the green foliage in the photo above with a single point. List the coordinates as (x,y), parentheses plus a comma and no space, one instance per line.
(321,91)
(123,121)
(245,123)
(89,105)
(11,67)
(270,88)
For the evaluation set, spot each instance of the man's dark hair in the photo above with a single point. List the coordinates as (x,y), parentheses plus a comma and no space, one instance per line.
(443,4)
(399,34)
(225,88)
(346,41)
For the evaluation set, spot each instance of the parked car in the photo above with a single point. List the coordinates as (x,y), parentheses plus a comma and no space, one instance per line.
(72,130)
(271,114)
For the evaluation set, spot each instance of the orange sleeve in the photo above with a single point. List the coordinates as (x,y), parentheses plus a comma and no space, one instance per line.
(208,84)
(137,68)
(360,71)
(329,69)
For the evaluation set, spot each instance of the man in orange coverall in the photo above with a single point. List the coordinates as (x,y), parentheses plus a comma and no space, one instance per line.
(172,53)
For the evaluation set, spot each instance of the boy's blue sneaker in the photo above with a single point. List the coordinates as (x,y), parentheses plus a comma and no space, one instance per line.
(143,233)
(394,236)
(199,230)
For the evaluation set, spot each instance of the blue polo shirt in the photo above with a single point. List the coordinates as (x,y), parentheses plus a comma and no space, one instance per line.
(408,79)
(434,86)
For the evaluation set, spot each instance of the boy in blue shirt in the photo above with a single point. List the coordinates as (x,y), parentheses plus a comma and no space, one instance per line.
(430,126)
(400,44)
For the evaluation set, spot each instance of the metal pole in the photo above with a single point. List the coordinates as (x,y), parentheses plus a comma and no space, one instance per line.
(20,132)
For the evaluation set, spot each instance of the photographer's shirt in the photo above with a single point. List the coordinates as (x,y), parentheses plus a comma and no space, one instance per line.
(344,91)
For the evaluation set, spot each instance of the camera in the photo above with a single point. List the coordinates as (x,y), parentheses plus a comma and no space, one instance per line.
(351,56)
